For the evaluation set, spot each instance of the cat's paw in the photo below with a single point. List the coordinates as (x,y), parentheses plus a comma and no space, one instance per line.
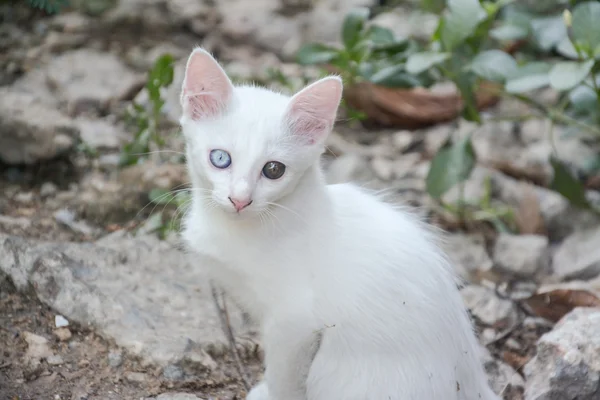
(259,392)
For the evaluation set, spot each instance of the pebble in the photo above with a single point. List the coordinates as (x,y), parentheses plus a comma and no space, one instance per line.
(136,377)
(55,360)
(48,189)
(63,334)
(60,321)
(115,358)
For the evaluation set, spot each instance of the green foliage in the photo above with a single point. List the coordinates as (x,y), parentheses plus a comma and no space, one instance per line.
(451,165)
(559,47)
(146,120)
(369,53)
(50,6)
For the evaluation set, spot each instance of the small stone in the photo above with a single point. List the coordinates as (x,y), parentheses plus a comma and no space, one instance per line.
(115,358)
(37,347)
(136,377)
(54,360)
(48,189)
(383,167)
(521,255)
(348,168)
(60,321)
(172,373)
(566,362)
(402,140)
(578,257)
(490,309)
(503,378)
(468,254)
(63,334)
(24,197)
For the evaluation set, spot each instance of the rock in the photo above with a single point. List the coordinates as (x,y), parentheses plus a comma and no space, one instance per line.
(177,396)
(67,218)
(283,30)
(578,257)
(141,293)
(560,217)
(7,222)
(136,377)
(490,309)
(172,373)
(48,189)
(567,362)
(38,348)
(503,378)
(115,358)
(407,23)
(63,334)
(521,255)
(468,254)
(90,80)
(101,134)
(55,360)
(60,321)
(23,197)
(31,130)
(349,168)
(116,199)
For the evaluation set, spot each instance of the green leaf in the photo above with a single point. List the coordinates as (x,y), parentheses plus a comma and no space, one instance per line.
(316,53)
(162,71)
(548,31)
(352,26)
(566,75)
(451,165)
(420,62)
(534,75)
(583,99)
(380,36)
(465,83)
(567,185)
(566,49)
(509,32)
(394,76)
(494,65)
(586,26)
(460,22)
(433,6)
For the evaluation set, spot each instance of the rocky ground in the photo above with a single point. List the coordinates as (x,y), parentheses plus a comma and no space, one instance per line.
(94,305)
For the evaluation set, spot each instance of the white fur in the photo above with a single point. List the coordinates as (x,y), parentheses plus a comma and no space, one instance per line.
(354,298)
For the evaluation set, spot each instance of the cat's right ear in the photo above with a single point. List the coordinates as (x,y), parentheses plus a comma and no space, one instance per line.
(206,90)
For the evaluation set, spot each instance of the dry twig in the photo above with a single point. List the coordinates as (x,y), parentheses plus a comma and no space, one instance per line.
(226,326)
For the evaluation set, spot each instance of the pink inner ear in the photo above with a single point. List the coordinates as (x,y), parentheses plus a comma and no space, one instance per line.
(312,111)
(206,89)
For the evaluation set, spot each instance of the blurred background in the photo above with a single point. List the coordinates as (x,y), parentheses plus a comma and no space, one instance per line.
(481,116)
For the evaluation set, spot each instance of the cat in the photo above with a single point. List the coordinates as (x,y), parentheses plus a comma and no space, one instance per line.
(354,299)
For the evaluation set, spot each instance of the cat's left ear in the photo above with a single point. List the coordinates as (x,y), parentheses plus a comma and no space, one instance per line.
(312,111)
(207,90)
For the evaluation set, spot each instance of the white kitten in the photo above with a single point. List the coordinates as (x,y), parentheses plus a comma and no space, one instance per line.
(354,299)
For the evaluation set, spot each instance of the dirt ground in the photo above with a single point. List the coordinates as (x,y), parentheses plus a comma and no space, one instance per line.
(86,366)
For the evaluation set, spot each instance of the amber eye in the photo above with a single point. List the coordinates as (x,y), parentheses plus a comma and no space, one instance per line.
(273,170)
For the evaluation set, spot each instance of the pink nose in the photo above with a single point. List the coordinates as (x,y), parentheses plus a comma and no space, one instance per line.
(240,204)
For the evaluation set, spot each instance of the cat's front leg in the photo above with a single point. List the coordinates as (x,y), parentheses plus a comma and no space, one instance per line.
(291,342)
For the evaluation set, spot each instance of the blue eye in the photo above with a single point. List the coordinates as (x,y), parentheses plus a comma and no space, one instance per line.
(220,158)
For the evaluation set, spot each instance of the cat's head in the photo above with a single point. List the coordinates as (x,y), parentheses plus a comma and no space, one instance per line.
(248,147)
